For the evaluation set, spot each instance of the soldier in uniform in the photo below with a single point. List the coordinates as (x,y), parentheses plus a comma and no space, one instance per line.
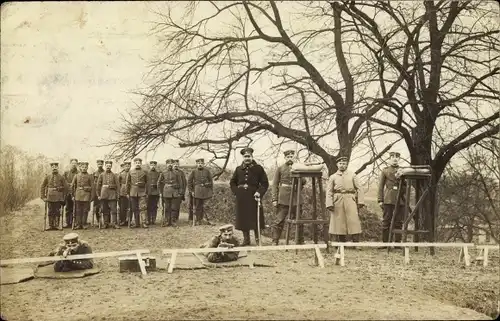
(170,184)
(178,200)
(95,193)
(387,194)
(137,182)
(153,192)
(107,187)
(69,175)
(225,239)
(53,191)
(72,246)
(82,186)
(200,186)
(344,197)
(124,202)
(281,191)
(248,182)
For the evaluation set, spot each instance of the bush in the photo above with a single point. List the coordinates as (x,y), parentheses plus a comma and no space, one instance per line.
(221,208)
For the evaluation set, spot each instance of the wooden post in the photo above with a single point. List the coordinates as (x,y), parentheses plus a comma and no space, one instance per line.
(407,255)
(466,256)
(485,256)
(172,261)
(319,257)
(141,263)
(342,262)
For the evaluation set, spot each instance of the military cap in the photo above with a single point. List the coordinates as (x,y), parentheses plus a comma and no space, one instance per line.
(84,163)
(122,164)
(202,160)
(100,161)
(108,162)
(170,160)
(70,237)
(227,227)
(126,163)
(289,152)
(176,161)
(137,159)
(394,154)
(73,159)
(342,159)
(54,163)
(247,150)
(153,162)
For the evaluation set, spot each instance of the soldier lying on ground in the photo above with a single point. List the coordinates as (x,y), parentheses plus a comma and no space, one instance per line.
(72,246)
(225,239)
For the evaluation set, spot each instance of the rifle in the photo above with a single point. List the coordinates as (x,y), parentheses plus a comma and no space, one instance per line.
(162,211)
(45,217)
(93,213)
(191,201)
(74,211)
(61,217)
(258,218)
(129,212)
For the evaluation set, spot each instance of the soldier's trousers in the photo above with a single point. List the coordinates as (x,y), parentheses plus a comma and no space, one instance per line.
(152,208)
(107,207)
(190,206)
(139,206)
(279,223)
(199,208)
(168,210)
(176,207)
(81,209)
(124,206)
(69,210)
(54,213)
(97,208)
(386,221)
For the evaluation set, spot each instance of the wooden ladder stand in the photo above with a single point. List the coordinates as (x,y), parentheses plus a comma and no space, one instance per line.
(420,175)
(297,221)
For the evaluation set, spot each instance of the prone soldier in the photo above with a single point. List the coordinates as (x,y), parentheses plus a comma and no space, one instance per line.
(82,186)
(69,175)
(137,182)
(97,204)
(169,183)
(124,202)
(200,185)
(72,246)
(281,192)
(178,200)
(53,192)
(225,239)
(107,186)
(153,192)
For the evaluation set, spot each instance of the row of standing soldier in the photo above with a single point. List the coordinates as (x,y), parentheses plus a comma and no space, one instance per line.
(117,197)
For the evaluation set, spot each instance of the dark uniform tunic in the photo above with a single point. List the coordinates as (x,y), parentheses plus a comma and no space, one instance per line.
(97,205)
(69,175)
(137,182)
(170,183)
(72,265)
(82,186)
(153,195)
(124,203)
(108,189)
(200,184)
(54,189)
(181,197)
(246,180)
(388,189)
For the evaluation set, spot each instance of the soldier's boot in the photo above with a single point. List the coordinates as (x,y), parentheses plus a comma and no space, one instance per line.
(114,223)
(57,221)
(385,238)
(51,223)
(246,238)
(144,220)
(106,220)
(85,217)
(277,230)
(397,239)
(256,235)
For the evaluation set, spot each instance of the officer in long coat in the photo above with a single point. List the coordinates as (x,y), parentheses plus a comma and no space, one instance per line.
(82,186)
(249,181)
(344,196)
(153,192)
(137,182)
(200,186)
(95,194)
(69,175)
(170,183)
(53,191)
(178,201)
(108,186)
(281,192)
(387,194)
(124,202)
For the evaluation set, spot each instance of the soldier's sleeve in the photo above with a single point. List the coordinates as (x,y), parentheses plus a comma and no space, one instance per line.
(275,187)
(263,182)
(381,186)
(210,179)
(329,191)
(181,182)
(99,185)
(74,185)
(184,182)
(128,182)
(233,182)
(65,187)
(190,184)
(146,181)
(84,263)
(160,183)
(359,189)
(43,188)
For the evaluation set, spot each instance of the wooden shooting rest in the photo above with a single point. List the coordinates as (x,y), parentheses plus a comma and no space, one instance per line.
(297,221)
(414,178)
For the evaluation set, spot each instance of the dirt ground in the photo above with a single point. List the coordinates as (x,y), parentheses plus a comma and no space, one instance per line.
(373,284)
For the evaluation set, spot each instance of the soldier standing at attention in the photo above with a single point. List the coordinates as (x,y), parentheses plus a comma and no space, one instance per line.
(344,197)
(107,187)
(137,182)
(153,192)
(169,183)
(72,246)
(248,182)
(200,186)
(82,186)
(95,193)
(282,190)
(387,194)
(69,175)
(124,203)
(53,191)
(183,187)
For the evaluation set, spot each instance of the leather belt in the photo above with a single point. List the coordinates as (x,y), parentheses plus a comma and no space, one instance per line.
(246,186)
(286,185)
(171,185)
(343,192)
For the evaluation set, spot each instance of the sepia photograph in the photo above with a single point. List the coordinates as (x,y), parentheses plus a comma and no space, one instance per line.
(250,160)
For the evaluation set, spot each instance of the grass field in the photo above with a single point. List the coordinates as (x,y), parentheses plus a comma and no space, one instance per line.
(372,285)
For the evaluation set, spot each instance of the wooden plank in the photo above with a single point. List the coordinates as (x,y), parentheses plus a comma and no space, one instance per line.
(342,252)
(485,256)
(141,263)
(71,257)
(407,255)
(319,256)
(491,247)
(171,265)
(246,248)
(409,244)
(466,256)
